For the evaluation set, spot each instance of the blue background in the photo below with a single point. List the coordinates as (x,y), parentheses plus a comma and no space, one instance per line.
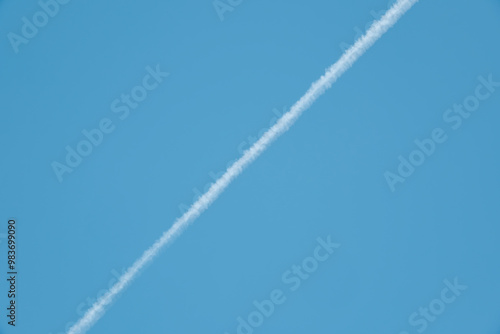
(324,177)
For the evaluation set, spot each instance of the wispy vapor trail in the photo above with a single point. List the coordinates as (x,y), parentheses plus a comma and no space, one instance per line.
(377,29)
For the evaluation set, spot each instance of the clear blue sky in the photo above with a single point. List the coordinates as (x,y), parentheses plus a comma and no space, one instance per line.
(324,177)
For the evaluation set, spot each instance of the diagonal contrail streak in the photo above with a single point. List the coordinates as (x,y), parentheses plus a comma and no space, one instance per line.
(377,29)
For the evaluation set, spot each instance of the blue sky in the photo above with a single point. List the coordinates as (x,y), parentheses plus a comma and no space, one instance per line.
(325,177)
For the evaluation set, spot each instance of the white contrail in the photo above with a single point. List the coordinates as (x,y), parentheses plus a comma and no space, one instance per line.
(377,29)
